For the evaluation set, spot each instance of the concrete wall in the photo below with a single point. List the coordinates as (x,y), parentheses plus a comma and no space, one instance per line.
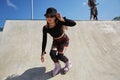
(94,51)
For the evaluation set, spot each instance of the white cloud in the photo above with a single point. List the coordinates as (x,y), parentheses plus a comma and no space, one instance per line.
(84,3)
(9,3)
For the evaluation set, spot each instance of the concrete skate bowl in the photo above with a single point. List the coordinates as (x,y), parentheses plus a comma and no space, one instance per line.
(94,51)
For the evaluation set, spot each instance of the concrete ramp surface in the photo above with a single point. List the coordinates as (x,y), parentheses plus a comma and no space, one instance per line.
(0,35)
(94,51)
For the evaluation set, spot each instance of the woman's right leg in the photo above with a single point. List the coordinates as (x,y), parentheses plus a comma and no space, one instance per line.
(55,60)
(91,12)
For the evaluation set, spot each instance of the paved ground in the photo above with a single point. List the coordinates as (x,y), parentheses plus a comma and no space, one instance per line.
(94,51)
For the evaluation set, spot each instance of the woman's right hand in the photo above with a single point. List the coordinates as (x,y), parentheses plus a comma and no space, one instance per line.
(42,58)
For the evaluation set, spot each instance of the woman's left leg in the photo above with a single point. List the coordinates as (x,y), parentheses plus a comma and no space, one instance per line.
(63,58)
(62,46)
(61,55)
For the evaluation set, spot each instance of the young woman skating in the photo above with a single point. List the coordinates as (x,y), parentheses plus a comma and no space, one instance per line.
(55,27)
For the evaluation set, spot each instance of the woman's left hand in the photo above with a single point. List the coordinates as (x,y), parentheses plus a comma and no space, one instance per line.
(59,17)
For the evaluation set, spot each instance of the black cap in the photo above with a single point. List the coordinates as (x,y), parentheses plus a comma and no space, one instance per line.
(51,11)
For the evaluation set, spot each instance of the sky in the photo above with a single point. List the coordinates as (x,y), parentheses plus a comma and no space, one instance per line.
(72,9)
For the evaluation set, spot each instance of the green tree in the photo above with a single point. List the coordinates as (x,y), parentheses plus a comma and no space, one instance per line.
(117,18)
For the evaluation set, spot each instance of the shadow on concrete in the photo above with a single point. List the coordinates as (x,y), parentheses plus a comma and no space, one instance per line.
(32,74)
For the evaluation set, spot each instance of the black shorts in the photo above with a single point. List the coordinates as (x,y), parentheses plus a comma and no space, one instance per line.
(61,43)
(93,11)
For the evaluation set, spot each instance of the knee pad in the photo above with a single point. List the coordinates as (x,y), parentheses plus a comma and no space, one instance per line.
(62,57)
(53,53)
(53,56)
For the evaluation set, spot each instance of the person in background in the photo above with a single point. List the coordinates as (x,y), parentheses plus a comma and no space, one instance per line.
(93,9)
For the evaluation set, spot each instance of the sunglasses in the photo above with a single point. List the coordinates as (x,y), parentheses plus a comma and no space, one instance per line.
(50,16)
